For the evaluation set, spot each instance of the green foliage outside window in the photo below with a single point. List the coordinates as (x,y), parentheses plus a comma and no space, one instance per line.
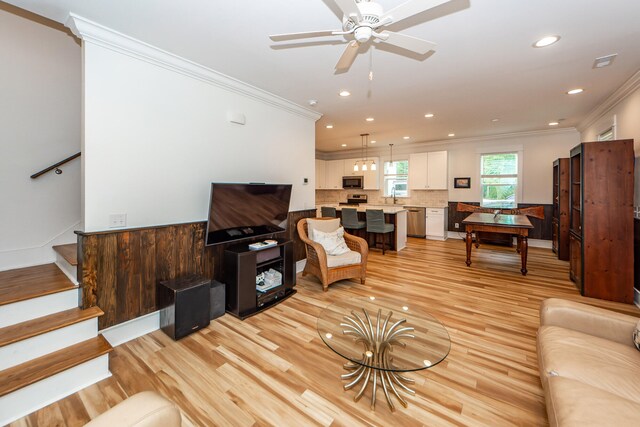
(499,180)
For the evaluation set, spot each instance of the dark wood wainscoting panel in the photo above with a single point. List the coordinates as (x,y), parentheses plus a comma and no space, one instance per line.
(299,252)
(119,270)
(636,253)
(541,227)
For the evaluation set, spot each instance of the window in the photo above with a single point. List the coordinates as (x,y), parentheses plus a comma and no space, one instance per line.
(607,135)
(395,178)
(499,180)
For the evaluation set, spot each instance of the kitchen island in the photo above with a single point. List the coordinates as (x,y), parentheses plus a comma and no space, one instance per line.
(396,215)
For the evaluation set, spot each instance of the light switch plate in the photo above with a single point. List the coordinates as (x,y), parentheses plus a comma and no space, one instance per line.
(117,220)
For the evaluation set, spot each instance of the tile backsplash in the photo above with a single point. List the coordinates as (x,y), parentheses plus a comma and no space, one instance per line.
(434,198)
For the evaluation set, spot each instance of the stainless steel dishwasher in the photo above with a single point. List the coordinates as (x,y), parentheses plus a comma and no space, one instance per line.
(416,221)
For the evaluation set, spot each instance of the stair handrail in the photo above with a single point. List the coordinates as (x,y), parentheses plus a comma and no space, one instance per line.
(56,166)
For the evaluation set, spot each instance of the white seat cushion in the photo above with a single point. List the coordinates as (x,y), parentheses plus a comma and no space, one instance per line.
(348,258)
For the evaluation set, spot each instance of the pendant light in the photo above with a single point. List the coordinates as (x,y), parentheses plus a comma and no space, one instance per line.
(365,154)
(392,166)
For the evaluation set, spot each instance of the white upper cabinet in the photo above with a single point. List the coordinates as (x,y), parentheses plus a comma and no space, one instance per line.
(428,171)
(334,171)
(371,177)
(437,170)
(320,174)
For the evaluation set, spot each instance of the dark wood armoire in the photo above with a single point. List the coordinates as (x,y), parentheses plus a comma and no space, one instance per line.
(601,219)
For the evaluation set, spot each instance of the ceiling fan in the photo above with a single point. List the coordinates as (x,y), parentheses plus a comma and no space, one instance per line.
(363,19)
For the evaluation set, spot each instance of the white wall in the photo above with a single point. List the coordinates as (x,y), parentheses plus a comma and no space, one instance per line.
(155,137)
(40,85)
(538,151)
(626,116)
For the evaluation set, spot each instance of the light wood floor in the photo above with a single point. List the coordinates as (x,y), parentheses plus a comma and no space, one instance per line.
(273,369)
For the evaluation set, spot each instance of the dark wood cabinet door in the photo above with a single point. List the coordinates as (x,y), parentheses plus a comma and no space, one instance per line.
(554,235)
(575,261)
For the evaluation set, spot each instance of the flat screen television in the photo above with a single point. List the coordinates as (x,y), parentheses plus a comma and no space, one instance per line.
(246,211)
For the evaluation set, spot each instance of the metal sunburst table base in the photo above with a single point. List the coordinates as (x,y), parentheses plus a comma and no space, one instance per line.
(376,365)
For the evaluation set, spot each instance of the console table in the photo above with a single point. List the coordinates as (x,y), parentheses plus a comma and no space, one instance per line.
(242,265)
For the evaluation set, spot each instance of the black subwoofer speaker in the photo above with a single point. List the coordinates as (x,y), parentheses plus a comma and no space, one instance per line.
(217,299)
(184,305)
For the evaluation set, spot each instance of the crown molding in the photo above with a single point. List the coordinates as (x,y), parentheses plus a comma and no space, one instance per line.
(419,147)
(92,32)
(616,97)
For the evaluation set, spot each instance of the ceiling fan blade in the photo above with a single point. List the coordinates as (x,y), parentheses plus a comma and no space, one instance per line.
(305,35)
(410,8)
(349,8)
(411,43)
(348,56)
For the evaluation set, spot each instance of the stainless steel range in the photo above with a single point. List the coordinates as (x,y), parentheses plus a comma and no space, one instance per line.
(355,199)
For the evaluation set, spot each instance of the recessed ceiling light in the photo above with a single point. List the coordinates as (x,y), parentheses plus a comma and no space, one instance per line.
(373,142)
(329,126)
(575,91)
(546,41)
(452,134)
(553,123)
(369,119)
(345,93)
(428,116)
(406,137)
(495,120)
(344,145)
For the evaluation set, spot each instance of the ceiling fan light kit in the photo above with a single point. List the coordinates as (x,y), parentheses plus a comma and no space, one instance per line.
(364,21)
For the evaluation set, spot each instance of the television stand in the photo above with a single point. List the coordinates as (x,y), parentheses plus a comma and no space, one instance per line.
(242,265)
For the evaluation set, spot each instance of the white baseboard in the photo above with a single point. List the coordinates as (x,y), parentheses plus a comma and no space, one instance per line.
(132,329)
(71,271)
(21,311)
(300,265)
(42,393)
(38,255)
(534,243)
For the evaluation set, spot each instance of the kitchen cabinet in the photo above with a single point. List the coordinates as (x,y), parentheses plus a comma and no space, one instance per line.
(371,177)
(428,171)
(437,223)
(334,171)
(320,174)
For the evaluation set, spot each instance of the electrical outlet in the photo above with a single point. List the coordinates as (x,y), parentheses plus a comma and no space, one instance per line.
(305,181)
(456,225)
(117,220)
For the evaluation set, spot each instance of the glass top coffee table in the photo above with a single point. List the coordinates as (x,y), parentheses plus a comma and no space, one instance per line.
(382,338)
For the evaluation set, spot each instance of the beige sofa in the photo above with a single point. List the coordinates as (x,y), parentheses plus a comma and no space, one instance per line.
(145,409)
(589,367)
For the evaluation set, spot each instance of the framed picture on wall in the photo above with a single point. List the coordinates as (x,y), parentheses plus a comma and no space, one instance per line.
(462,182)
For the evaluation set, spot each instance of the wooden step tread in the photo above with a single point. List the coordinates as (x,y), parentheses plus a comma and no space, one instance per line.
(42,325)
(68,252)
(31,282)
(30,372)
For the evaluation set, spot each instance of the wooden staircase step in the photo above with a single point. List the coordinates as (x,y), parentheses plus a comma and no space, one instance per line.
(68,252)
(31,282)
(28,373)
(42,325)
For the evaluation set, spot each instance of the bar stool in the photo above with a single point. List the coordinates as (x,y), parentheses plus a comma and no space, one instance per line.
(350,220)
(376,226)
(328,211)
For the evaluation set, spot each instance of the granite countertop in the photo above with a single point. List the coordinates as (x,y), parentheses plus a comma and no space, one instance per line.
(385,208)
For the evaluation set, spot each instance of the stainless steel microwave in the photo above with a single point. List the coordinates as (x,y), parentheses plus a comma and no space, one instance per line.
(353,182)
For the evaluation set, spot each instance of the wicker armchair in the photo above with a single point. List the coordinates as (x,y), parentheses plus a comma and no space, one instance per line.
(317,258)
